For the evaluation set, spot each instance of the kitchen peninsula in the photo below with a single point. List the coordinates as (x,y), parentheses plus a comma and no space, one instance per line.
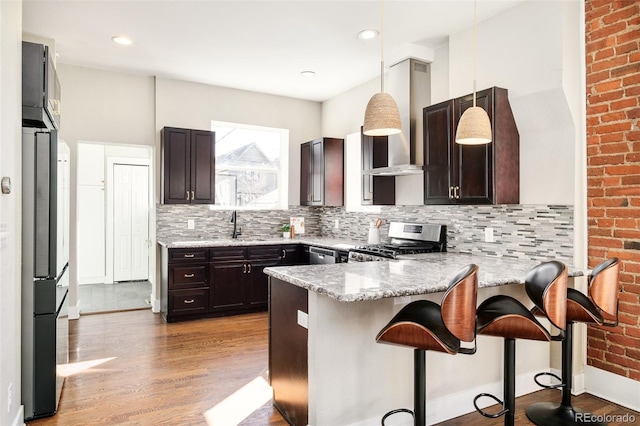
(325,366)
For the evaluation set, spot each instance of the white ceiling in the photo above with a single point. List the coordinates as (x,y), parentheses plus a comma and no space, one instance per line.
(257,45)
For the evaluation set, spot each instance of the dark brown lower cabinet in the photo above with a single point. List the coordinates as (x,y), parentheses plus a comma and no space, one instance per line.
(258,283)
(294,254)
(238,282)
(227,290)
(288,353)
(217,281)
(184,283)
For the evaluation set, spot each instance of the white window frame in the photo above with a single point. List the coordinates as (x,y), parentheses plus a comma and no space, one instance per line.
(283,174)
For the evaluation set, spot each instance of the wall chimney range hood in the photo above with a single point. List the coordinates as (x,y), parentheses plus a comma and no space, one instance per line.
(409,83)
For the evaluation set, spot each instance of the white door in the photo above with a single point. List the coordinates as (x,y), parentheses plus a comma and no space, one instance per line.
(130,222)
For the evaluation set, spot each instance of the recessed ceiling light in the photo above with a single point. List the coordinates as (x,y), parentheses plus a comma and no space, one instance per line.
(367,34)
(308,73)
(121,40)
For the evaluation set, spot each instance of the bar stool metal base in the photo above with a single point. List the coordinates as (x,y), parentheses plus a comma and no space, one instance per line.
(563,414)
(550,414)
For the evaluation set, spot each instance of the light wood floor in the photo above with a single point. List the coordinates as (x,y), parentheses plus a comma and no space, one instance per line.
(140,370)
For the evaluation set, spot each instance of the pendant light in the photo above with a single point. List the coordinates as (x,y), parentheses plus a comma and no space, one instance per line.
(381,118)
(474,127)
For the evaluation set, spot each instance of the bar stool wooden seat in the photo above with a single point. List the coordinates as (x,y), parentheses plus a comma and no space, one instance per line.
(599,307)
(425,325)
(504,316)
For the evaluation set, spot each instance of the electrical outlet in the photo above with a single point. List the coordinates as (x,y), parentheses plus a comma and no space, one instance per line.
(488,235)
(191,224)
(9,397)
(336,224)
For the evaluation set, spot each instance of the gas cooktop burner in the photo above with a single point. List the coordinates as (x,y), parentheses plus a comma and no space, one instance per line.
(405,239)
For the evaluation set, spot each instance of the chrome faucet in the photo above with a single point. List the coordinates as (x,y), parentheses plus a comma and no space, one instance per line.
(234,219)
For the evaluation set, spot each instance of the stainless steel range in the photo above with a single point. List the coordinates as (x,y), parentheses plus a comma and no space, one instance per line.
(406,238)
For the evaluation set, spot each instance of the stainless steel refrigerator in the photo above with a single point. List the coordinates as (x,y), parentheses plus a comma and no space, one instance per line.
(44,271)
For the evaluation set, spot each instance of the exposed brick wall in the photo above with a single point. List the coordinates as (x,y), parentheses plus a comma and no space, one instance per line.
(613,171)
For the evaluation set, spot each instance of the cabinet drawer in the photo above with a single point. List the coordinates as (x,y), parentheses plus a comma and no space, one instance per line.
(184,302)
(189,255)
(227,254)
(264,252)
(188,276)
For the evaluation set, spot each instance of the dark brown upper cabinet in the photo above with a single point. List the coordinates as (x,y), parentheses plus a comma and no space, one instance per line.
(471,174)
(188,166)
(376,190)
(322,172)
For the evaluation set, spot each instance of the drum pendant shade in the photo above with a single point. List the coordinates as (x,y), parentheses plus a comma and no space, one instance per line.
(381,117)
(474,127)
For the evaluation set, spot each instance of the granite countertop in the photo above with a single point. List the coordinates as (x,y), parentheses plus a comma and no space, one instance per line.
(330,243)
(422,274)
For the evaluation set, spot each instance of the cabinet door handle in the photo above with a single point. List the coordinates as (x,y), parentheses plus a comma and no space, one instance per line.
(455,192)
(284,254)
(193,197)
(189,301)
(451,192)
(188,255)
(189,275)
(187,195)
(249,268)
(244,268)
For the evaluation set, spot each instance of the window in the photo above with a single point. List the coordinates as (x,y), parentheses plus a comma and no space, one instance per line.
(252,165)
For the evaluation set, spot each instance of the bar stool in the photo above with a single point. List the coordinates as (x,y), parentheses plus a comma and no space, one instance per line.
(425,325)
(506,317)
(600,307)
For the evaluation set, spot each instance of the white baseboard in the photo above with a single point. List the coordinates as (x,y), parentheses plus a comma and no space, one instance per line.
(455,405)
(155,305)
(19,419)
(74,311)
(461,403)
(612,387)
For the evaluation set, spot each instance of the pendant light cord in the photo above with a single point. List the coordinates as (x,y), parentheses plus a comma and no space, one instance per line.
(381,46)
(475,47)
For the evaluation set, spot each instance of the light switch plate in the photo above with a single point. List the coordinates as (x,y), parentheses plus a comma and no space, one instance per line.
(191,224)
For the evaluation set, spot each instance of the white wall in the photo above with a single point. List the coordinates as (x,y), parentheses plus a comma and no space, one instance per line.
(440,75)
(536,63)
(114,108)
(106,107)
(10,209)
(517,53)
(194,105)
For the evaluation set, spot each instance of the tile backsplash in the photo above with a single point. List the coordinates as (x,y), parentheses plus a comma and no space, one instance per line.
(536,232)
(171,222)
